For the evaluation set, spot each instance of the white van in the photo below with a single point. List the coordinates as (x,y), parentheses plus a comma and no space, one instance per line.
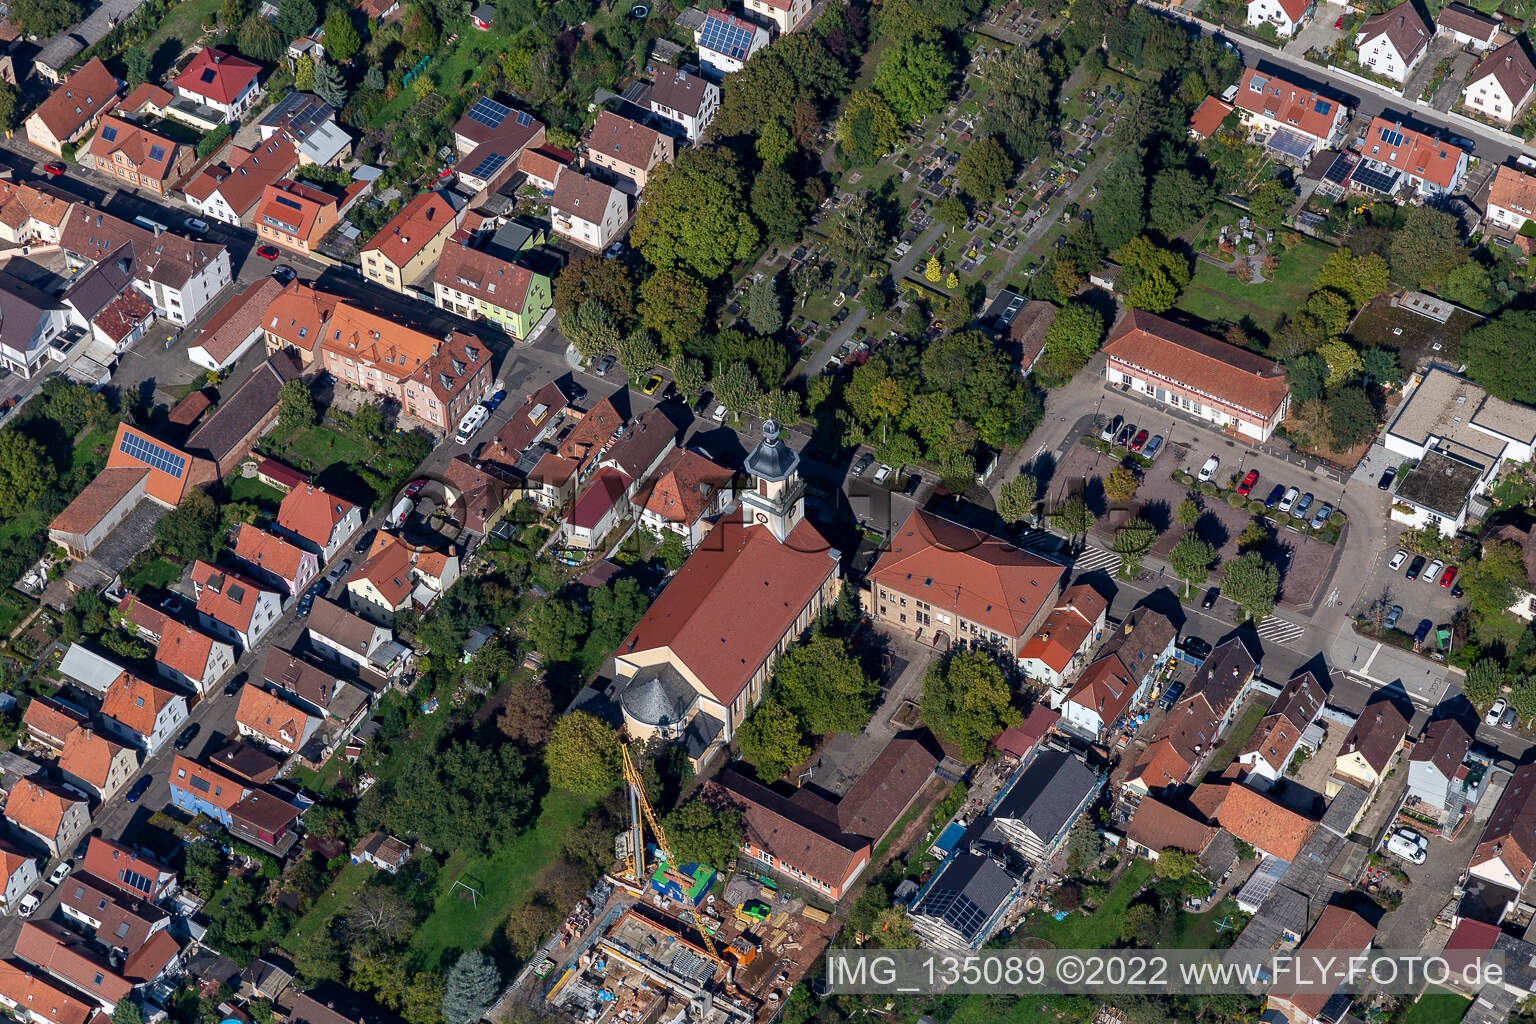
(472,421)
(1413,853)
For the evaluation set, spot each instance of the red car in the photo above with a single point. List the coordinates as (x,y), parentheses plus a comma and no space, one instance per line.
(1449,577)
(1248,482)
(1139,441)
(414,487)
(1339,22)
(55,167)
(267,252)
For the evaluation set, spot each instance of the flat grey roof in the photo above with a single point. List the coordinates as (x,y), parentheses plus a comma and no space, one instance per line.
(1440,483)
(1445,405)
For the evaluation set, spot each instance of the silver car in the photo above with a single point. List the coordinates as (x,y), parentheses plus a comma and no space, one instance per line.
(1300,511)
(1321,517)
(1432,573)
(1392,616)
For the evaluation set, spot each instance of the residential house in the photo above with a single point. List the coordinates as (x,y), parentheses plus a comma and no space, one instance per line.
(626,150)
(534,421)
(120,923)
(136,875)
(1403,157)
(963,902)
(638,449)
(1437,773)
(223,81)
(68,957)
(93,763)
(541,166)
(684,495)
(1208,117)
(726,42)
(688,101)
(786,838)
(331,1004)
(36,1000)
(409,245)
(1060,647)
(142,714)
(29,214)
(436,381)
(481,284)
(235,328)
(687,671)
(1294,121)
(229,192)
(269,719)
(296,215)
(786,15)
(587,212)
(1259,820)
(1144,644)
(1285,15)
(1156,826)
(488,126)
(1035,812)
(88,670)
(1467,27)
(1371,747)
(1511,200)
(481,494)
(350,638)
(307,123)
(104,299)
(48,723)
(314,690)
(1236,390)
(1460,436)
(942,583)
(189,657)
(34,323)
(225,439)
(1338,936)
(280,562)
(597,510)
(51,814)
(1194,726)
(1393,42)
(1099,699)
(180,276)
(384,852)
(1502,83)
(232,607)
(396,574)
(1279,735)
(72,109)
(20,875)
(135,154)
(318,520)
(296,319)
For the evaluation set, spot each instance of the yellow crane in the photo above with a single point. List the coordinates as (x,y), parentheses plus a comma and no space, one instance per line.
(640,806)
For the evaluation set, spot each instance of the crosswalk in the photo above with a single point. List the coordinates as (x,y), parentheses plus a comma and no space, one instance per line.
(1280,631)
(1094,559)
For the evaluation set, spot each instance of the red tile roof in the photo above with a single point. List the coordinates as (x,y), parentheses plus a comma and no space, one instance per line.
(165,487)
(299,315)
(80,97)
(225,596)
(185,650)
(39,806)
(152,155)
(1106,688)
(1158,826)
(1403,25)
(1020,739)
(312,513)
(414,226)
(1263,823)
(1232,376)
(980,578)
(1511,66)
(1417,154)
(602,494)
(683,487)
(268,551)
(1510,835)
(1208,116)
(623,140)
(1067,628)
(217,75)
(295,208)
(41,997)
(211,787)
(51,720)
(271,718)
(235,321)
(1300,108)
(66,955)
(135,703)
(89,756)
(123,868)
(97,498)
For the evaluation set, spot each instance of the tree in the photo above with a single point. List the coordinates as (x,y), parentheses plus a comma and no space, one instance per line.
(423,999)
(341,38)
(1351,417)
(1497,355)
(1152,276)
(1361,278)
(688,374)
(591,329)
(672,552)
(378,915)
(1425,247)
(1020,101)
(825,686)
(1253,583)
(1188,512)
(704,834)
(204,867)
(1084,843)
(127,1012)
(1380,365)
(966,701)
(736,388)
(296,18)
(582,754)
(232,13)
(1132,542)
(771,740)
(556,628)
(1343,361)
(1270,202)
(1522,697)
(779,404)
(673,304)
(296,408)
(1120,213)
(1073,518)
(44,18)
(637,353)
(139,66)
(610,282)
(1175,864)
(1072,338)
(260,39)
(192,529)
(1483,683)
(26,472)
(983,170)
(1121,485)
(763,313)
(934,270)
(694,215)
(781,205)
(527,715)
(317,957)
(471,987)
(1191,560)
(616,607)
(1016,498)
(858,234)
(914,75)
(1468,284)
(867,129)
(329,84)
(1492,581)
(1177,201)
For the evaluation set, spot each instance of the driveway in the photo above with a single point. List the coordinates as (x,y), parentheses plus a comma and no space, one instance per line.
(1450,90)
(1440,48)
(1318,33)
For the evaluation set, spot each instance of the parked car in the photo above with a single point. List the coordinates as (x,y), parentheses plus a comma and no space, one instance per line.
(184,740)
(1210,597)
(578,394)
(1126,433)
(1393,615)
(414,487)
(882,474)
(60,873)
(364,542)
(1139,441)
(1398,560)
(1322,516)
(1387,479)
(603,366)
(702,405)
(29,904)
(1449,577)
(1410,852)
(55,167)
(1246,487)
(1495,712)
(652,384)
(1209,469)
(719,414)
(1509,718)
(267,252)
(1111,429)
(1195,647)
(1286,502)
(1153,447)
(1422,632)
(494,402)
(196,224)
(340,570)
(1171,695)
(1433,572)
(1408,835)
(138,789)
(1415,567)
(283,273)
(1299,511)
(1275,494)
(862,464)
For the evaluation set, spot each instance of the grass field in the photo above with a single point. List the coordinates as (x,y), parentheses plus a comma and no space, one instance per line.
(318,448)
(257,493)
(1241,730)
(13,608)
(1437,1006)
(161,572)
(1215,296)
(181,27)
(326,907)
(1102,927)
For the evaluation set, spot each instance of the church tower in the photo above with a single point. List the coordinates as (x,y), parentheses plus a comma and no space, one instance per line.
(777,497)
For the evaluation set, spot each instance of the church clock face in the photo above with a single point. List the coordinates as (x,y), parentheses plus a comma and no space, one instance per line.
(762,517)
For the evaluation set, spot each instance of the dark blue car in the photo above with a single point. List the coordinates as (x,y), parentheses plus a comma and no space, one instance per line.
(1275,496)
(495,400)
(138,789)
(1422,633)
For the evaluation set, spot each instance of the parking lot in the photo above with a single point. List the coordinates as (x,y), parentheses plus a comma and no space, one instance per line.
(1419,598)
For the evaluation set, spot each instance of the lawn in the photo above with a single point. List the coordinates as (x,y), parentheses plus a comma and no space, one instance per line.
(181,27)
(1202,931)
(505,880)
(13,608)
(1215,296)
(1236,739)
(321,447)
(326,907)
(1102,927)
(159,572)
(257,493)
(1437,1006)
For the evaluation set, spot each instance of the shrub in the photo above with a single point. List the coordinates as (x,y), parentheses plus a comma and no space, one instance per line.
(212,141)
(1184,478)
(1236,500)
(1208,489)
(1256,507)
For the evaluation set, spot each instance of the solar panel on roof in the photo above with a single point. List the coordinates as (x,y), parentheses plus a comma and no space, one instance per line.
(488,166)
(109,133)
(1376,181)
(724,37)
(153,455)
(1322,106)
(524,118)
(157,152)
(488,112)
(1391,138)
